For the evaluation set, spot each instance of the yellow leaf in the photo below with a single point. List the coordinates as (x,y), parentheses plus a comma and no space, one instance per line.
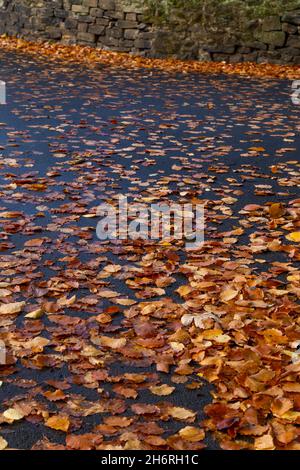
(184,290)
(65,302)
(13,415)
(3,443)
(113,268)
(228,294)
(216,335)
(264,443)
(59,423)
(108,294)
(181,413)
(5,292)
(192,434)
(114,343)
(162,390)
(35,314)
(36,344)
(257,149)
(291,416)
(294,237)
(9,309)
(125,302)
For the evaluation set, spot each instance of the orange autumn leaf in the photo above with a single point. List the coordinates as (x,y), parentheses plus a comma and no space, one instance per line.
(265,442)
(59,423)
(276,210)
(294,237)
(228,294)
(192,434)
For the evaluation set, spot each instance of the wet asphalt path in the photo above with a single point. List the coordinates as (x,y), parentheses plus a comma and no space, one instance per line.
(94,134)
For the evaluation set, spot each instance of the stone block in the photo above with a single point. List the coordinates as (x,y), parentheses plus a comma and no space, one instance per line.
(86,37)
(221,57)
(235,58)
(60,14)
(96,12)
(96,29)
(90,3)
(131,33)
(80,9)
(131,17)
(293,41)
(252,57)
(71,23)
(271,23)
(142,43)
(102,21)
(107,4)
(124,24)
(222,49)
(54,33)
(289,28)
(273,38)
(86,19)
(82,27)
(292,17)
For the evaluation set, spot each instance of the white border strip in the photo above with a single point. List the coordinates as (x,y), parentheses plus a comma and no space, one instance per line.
(2,92)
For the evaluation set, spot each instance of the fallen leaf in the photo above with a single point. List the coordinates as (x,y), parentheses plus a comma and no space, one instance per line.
(228,294)
(264,442)
(192,434)
(276,210)
(3,443)
(294,237)
(9,309)
(181,413)
(114,343)
(13,415)
(59,423)
(162,390)
(35,314)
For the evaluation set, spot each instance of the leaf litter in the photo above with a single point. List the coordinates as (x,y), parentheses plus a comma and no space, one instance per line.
(103,339)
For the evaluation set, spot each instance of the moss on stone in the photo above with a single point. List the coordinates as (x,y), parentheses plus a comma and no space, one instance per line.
(162,11)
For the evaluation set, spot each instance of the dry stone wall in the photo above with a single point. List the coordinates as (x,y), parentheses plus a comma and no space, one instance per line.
(117,26)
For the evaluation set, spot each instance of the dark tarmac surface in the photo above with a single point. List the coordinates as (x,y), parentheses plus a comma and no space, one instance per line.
(141,119)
